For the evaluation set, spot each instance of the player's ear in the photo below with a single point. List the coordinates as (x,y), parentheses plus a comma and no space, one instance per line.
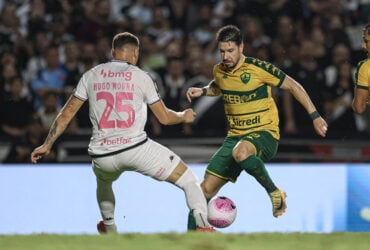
(136,55)
(137,52)
(241,47)
(112,53)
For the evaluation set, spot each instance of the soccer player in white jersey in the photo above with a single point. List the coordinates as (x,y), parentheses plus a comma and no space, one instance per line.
(118,93)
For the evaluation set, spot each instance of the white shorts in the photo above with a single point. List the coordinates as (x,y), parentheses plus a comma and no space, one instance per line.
(150,158)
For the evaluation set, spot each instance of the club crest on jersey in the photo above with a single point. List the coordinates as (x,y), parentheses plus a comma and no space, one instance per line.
(245,77)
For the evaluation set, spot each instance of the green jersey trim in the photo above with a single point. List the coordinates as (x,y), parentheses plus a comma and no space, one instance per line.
(361,87)
(249,128)
(250,113)
(359,65)
(268,67)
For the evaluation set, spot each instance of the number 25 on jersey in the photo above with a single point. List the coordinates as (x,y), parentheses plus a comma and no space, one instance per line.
(115,103)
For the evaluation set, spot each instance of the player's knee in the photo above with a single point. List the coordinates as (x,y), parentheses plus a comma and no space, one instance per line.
(208,190)
(239,155)
(241,152)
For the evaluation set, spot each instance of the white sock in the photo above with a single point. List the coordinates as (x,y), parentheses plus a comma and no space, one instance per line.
(106,202)
(194,197)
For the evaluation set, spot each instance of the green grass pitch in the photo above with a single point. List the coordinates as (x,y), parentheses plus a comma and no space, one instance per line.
(191,240)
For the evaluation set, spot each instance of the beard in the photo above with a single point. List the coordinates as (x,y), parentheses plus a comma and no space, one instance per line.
(229,65)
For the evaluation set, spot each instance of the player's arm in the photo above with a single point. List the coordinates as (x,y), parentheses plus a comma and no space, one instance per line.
(302,97)
(57,128)
(168,116)
(361,90)
(210,90)
(360,100)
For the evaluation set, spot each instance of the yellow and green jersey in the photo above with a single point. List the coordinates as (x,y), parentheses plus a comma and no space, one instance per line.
(363,75)
(246,92)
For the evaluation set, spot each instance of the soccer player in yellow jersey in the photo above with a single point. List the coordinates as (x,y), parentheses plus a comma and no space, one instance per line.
(362,82)
(245,86)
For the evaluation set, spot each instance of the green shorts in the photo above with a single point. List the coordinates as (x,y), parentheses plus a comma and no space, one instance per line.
(222,163)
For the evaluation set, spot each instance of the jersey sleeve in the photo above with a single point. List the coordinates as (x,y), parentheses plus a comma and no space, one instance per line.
(269,73)
(81,89)
(216,75)
(150,89)
(363,75)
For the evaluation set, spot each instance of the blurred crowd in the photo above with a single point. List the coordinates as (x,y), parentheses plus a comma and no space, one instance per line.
(46,45)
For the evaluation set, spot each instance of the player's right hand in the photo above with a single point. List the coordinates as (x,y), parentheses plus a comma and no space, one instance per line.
(320,125)
(189,115)
(38,153)
(193,93)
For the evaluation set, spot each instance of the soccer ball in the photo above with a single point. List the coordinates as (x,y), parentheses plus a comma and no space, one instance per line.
(221,212)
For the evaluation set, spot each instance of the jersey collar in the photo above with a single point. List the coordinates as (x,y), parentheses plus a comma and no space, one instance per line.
(240,63)
(121,61)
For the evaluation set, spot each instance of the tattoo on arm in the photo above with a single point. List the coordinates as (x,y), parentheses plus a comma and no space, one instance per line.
(55,131)
(63,119)
(50,139)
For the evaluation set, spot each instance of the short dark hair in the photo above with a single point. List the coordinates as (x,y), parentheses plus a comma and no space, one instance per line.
(229,33)
(124,38)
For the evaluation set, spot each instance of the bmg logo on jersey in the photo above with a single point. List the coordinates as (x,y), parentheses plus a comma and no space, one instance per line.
(126,75)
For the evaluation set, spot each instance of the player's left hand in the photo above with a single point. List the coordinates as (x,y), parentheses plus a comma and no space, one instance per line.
(193,93)
(320,125)
(38,153)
